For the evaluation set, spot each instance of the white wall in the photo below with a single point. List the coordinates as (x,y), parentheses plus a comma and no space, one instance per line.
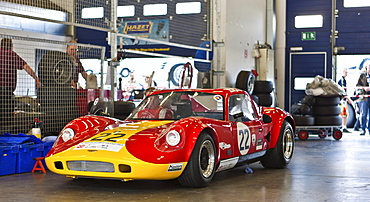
(245,26)
(240,24)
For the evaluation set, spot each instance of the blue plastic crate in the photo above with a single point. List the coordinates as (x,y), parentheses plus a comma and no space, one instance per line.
(8,159)
(25,161)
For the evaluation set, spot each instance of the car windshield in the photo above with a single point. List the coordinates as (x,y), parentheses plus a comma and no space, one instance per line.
(178,105)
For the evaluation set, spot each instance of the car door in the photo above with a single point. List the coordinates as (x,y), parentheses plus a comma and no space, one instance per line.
(247,128)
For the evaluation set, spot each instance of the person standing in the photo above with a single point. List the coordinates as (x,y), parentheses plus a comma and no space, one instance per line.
(79,69)
(364,91)
(10,62)
(344,108)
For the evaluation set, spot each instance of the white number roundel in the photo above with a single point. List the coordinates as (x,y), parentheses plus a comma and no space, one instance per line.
(244,138)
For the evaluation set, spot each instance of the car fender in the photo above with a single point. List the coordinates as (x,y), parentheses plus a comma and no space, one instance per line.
(194,127)
(278,117)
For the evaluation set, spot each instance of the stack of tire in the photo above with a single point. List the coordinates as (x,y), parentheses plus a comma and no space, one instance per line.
(323,112)
(57,98)
(318,111)
(326,111)
(261,91)
(302,111)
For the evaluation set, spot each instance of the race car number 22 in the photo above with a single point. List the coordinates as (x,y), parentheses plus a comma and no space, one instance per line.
(244,135)
(108,137)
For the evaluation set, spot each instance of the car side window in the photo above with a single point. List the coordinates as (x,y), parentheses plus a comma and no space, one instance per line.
(240,108)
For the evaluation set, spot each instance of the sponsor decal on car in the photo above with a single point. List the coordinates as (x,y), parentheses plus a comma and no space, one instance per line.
(106,146)
(224,145)
(227,164)
(175,167)
(259,144)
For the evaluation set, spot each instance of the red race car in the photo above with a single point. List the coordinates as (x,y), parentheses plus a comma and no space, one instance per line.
(188,134)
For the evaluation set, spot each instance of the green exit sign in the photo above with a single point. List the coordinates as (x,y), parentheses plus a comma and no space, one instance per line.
(308,36)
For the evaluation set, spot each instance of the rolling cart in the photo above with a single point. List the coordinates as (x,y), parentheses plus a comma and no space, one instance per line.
(322,131)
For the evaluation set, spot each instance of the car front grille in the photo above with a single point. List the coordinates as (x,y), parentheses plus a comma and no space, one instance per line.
(93,166)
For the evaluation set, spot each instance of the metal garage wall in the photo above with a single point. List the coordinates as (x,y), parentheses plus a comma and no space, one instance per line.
(353,26)
(307,58)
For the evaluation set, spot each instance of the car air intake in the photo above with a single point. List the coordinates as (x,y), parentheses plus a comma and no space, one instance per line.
(92,166)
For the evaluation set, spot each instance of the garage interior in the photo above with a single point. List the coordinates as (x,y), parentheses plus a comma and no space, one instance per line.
(220,39)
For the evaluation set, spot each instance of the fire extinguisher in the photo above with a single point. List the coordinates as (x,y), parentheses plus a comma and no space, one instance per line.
(36,127)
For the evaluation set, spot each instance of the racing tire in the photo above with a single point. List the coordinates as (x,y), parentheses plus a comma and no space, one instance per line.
(255,98)
(245,81)
(175,73)
(351,117)
(328,120)
(56,68)
(202,163)
(123,109)
(303,135)
(326,101)
(304,120)
(337,134)
(263,87)
(326,110)
(264,100)
(281,155)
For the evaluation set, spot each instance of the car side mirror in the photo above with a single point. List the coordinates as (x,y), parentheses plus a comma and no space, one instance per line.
(266,118)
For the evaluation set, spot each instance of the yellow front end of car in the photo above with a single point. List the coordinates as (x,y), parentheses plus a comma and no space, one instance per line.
(106,155)
(107,164)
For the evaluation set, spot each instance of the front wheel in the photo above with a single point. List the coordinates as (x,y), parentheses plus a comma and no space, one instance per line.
(201,166)
(281,155)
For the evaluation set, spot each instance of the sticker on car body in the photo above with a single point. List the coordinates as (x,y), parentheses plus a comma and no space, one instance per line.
(106,146)
(175,167)
(244,138)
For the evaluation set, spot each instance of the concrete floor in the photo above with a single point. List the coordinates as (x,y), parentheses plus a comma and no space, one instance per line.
(321,170)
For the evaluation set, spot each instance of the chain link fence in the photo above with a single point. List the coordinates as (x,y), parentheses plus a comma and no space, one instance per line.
(53,94)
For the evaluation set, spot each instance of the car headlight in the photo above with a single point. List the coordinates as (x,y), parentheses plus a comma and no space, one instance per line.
(173,138)
(67,134)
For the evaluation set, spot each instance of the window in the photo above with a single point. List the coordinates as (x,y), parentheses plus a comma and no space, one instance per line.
(154,9)
(356,3)
(240,108)
(94,12)
(188,8)
(301,82)
(308,21)
(125,11)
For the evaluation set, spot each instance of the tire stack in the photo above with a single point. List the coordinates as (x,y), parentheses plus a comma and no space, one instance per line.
(57,98)
(302,111)
(326,111)
(263,91)
(317,111)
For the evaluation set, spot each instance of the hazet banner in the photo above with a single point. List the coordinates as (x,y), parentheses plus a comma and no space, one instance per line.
(152,29)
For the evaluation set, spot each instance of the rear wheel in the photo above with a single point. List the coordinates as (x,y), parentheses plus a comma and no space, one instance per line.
(280,156)
(201,166)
